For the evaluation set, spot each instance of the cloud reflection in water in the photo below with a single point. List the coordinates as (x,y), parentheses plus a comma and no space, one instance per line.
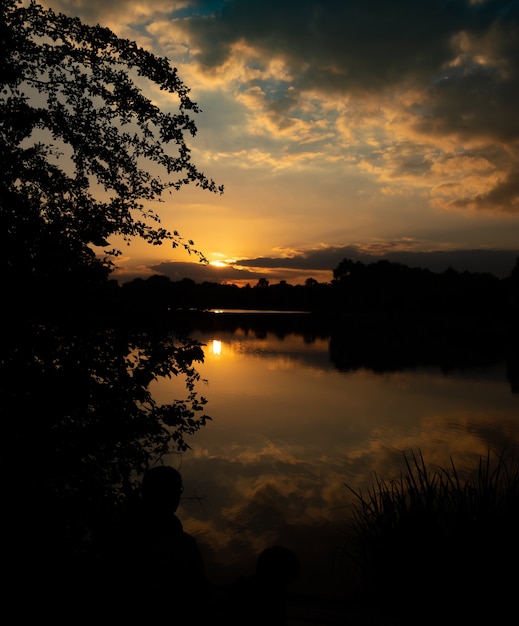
(289,430)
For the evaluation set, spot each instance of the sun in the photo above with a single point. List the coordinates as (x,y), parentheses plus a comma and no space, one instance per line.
(218,264)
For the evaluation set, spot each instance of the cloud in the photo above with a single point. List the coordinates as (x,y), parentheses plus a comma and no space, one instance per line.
(399,76)
(394,89)
(108,12)
(334,44)
(320,263)
(199,272)
(498,262)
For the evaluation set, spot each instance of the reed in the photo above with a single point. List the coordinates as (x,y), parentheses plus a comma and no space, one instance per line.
(436,539)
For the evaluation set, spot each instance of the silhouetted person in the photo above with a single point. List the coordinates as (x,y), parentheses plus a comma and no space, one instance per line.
(158,567)
(260,599)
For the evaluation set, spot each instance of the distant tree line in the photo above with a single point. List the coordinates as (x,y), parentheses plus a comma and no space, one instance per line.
(382,287)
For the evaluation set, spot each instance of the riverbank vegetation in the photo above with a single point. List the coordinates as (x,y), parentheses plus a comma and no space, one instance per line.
(80,423)
(381,287)
(433,543)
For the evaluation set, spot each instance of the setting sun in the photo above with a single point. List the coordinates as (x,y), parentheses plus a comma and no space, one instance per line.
(403,157)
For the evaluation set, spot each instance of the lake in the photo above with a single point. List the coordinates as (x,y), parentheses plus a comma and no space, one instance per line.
(294,421)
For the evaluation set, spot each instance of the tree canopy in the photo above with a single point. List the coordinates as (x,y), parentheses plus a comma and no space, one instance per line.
(83,153)
(83,150)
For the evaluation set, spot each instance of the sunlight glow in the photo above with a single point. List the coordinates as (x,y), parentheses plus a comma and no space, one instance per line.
(217,347)
(218,264)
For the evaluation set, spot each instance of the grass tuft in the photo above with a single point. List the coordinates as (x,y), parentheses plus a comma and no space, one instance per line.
(438,541)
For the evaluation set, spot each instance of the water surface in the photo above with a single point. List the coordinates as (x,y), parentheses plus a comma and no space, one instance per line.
(289,429)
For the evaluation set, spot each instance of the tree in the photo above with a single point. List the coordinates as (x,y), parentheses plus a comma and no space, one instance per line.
(79,147)
(77,140)
(347,268)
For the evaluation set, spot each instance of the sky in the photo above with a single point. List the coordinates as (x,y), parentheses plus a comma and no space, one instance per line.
(360,129)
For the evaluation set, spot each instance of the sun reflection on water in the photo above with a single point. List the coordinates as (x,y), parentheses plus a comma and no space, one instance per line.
(288,430)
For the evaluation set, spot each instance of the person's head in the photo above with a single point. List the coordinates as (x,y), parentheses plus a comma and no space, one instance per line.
(278,565)
(162,487)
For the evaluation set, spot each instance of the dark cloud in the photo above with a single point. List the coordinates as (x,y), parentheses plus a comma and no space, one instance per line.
(505,194)
(337,44)
(325,259)
(459,58)
(203,273)
(321,263)
(497,262)
(452,66)
(341,45)
(473,100)
(274,271)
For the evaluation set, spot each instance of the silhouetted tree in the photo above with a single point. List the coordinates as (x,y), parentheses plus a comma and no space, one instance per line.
(79,147)
(77,137)
(387,287)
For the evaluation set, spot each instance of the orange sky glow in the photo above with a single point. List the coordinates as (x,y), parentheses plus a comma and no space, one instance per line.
(362,129)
